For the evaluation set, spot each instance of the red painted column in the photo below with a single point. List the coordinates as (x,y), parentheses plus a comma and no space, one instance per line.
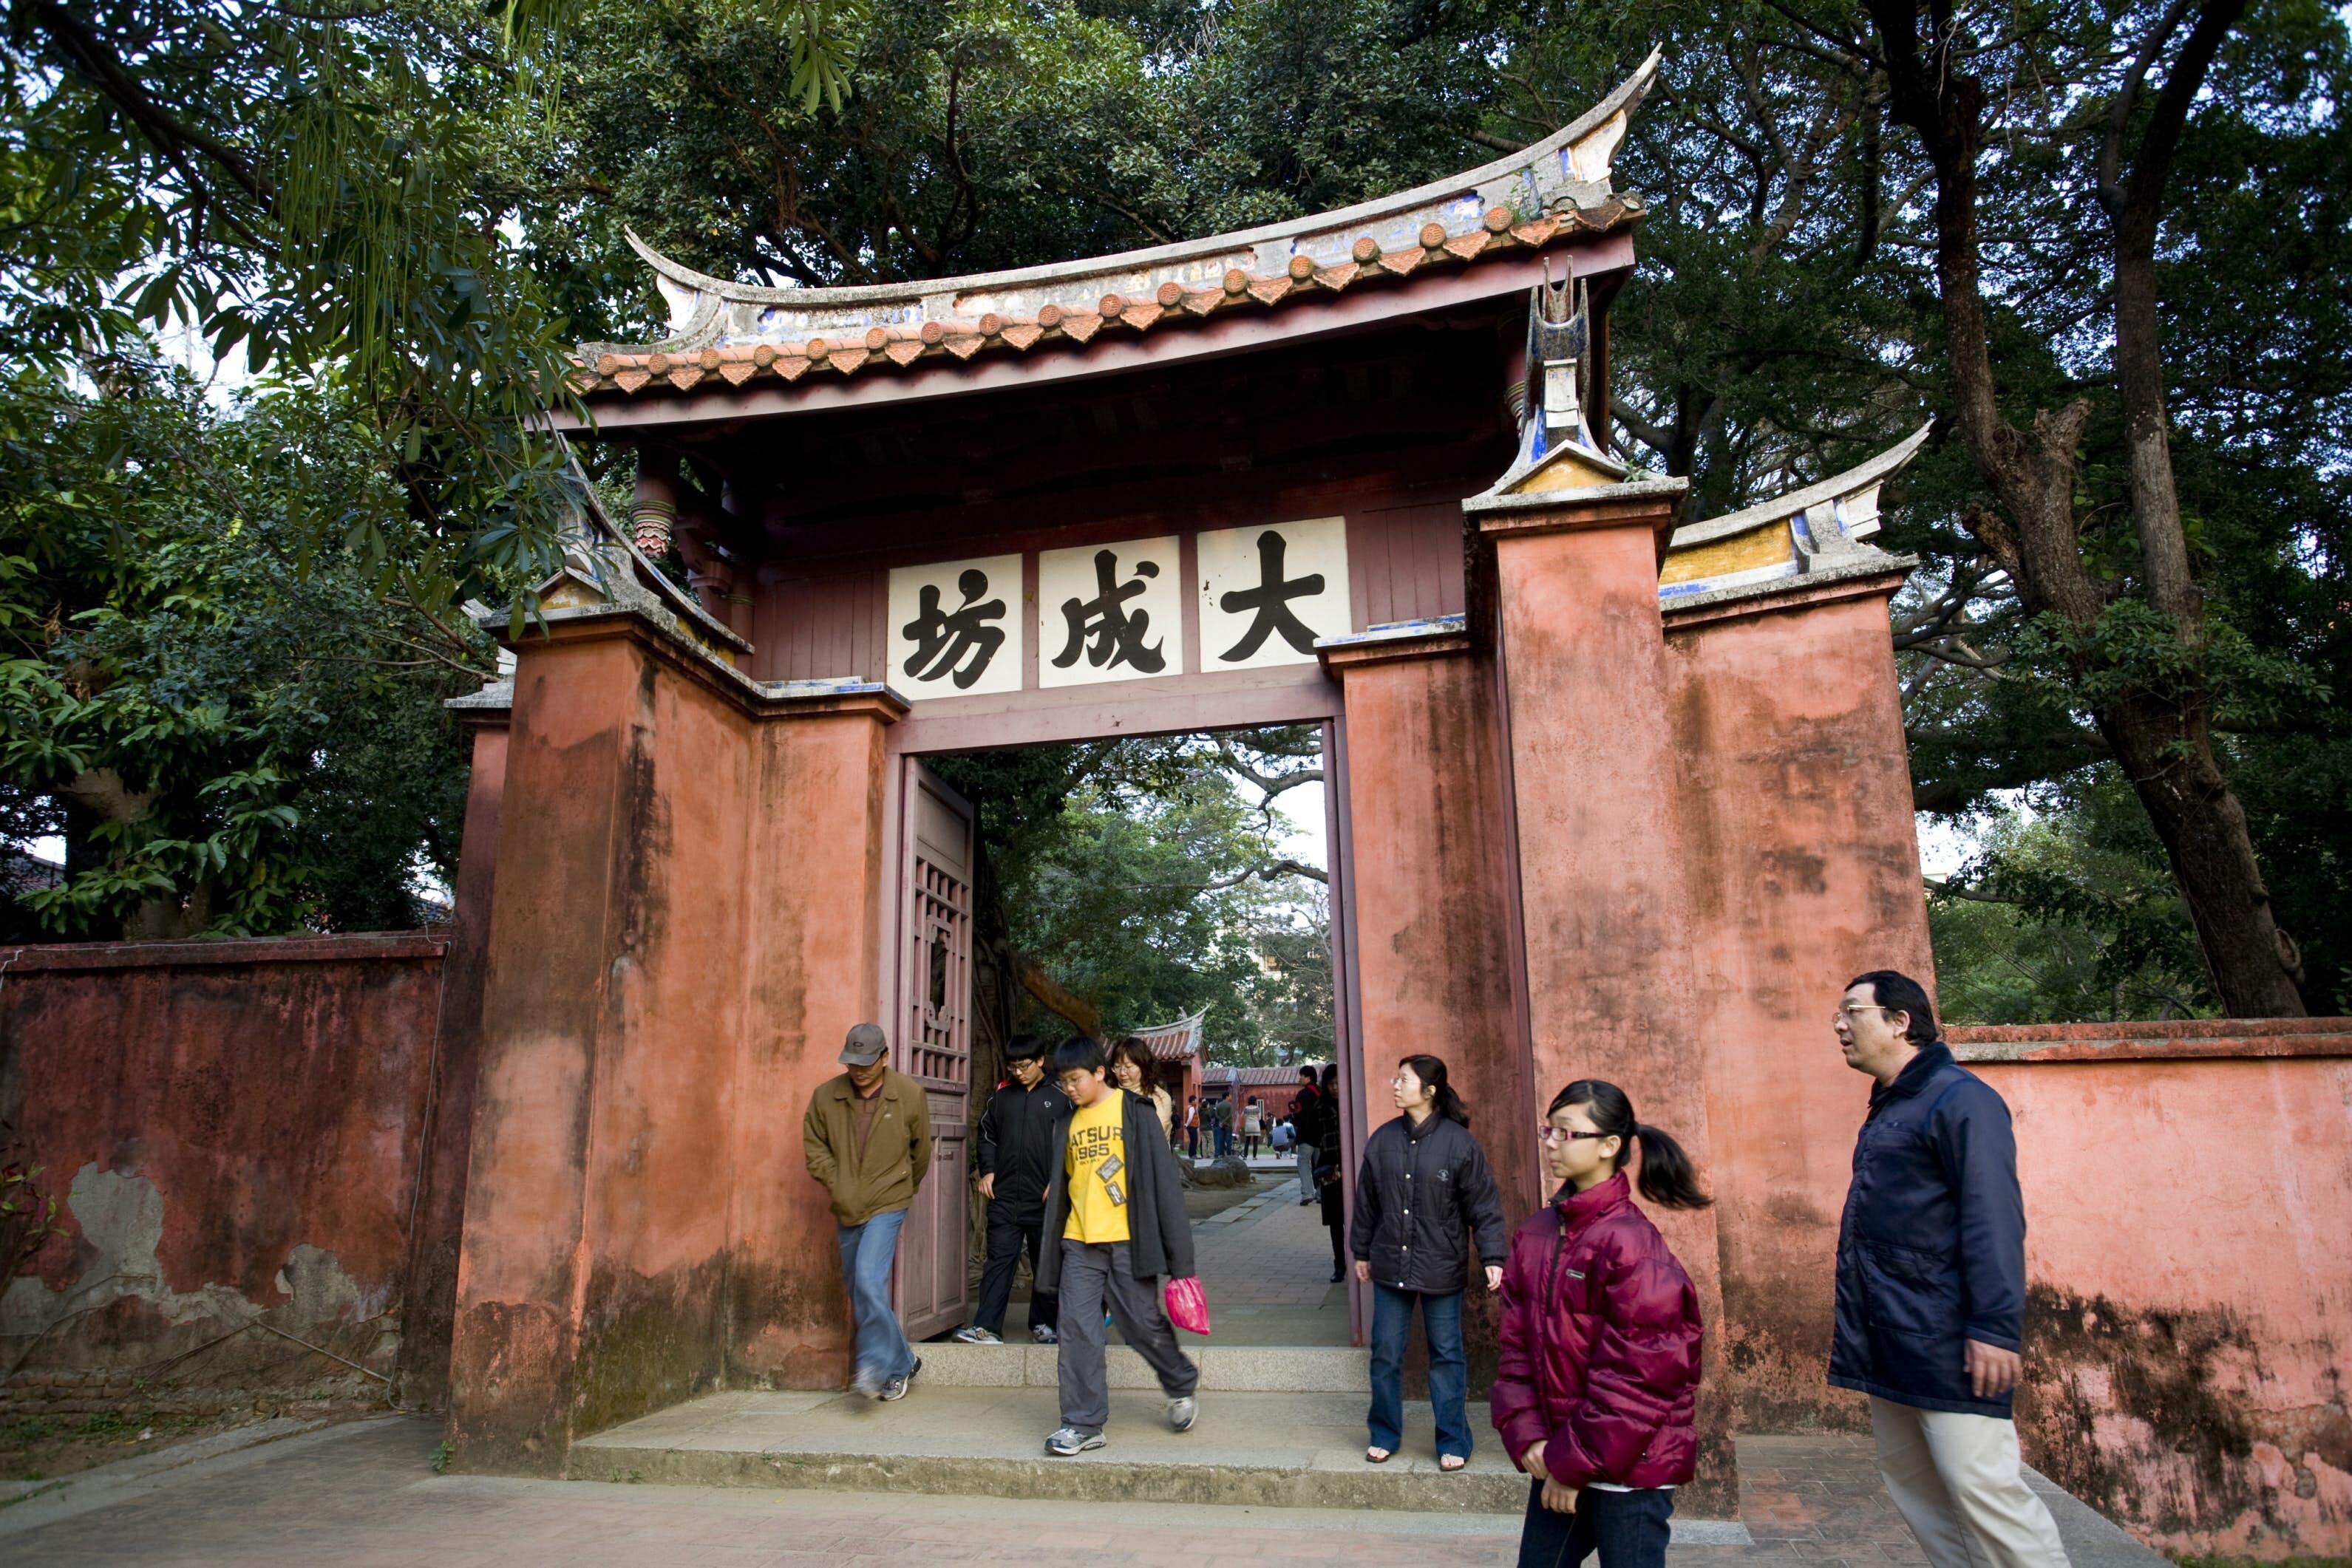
(430,1300)
(1434,931)
(1804,868)
(1605,908)
(816,862)
(590,1282)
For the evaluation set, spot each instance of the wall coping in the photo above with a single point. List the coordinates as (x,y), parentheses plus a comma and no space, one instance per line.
(68,957)
(2168,1040)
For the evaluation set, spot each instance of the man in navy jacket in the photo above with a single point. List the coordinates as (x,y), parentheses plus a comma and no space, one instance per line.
(1931,1286)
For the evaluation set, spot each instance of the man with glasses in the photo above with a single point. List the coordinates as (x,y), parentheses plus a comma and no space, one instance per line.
(1931,1286)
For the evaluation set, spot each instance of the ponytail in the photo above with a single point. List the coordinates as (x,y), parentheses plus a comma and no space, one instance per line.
(1431,1070)
(1668,1177)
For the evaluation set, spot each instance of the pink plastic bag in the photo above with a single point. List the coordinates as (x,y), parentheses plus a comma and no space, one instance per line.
(1188,1305)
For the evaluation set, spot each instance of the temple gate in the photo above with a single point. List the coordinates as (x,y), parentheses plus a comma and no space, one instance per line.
(1615,793)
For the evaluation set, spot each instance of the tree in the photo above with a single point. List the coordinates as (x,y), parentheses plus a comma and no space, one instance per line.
(2136,634)
(233,731)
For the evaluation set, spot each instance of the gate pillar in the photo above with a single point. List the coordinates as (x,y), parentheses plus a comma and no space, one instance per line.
(1605,910)
(591,1270)
(815,860)
(1429,875)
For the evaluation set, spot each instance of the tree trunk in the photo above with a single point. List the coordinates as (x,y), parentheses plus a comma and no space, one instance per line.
(2254,963)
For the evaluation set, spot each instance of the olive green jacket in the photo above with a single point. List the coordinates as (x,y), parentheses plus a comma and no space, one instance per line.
(898,1152)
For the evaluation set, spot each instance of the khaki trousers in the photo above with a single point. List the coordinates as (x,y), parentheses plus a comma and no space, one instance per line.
(1960,1486)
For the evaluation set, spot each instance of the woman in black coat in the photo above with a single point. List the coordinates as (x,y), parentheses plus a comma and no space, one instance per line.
(1327,1185)
(1424,1194)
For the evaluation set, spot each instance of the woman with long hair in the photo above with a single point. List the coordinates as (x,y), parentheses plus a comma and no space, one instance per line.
(1597,1391)
(1423,1196)
(1132,1069)
(1253,1128)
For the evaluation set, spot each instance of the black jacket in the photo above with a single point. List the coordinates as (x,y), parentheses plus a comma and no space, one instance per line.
(1159,1234)
(1421,1195)
(1931,1251)
(1017,1146)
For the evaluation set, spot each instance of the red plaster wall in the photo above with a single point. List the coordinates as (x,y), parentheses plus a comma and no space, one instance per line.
(589,1284)
(2191,1293)
(1432,923)
(1604,906)
(814,970)
(273,1094)
(432,1293)
(1803,872)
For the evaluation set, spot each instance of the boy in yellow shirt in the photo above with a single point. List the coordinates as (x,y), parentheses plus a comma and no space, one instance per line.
(1116,1206)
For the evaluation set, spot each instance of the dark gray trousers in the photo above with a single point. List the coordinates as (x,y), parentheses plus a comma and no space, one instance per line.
(1093,1276)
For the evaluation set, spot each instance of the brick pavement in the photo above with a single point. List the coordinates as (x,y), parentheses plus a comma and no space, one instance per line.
(1280,1257)
(365,1497)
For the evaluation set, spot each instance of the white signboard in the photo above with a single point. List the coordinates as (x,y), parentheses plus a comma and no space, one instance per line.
(1110,612)
(955,628)
(1269,592)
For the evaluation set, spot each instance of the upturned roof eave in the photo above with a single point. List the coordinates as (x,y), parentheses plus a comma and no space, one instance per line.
(1626,97)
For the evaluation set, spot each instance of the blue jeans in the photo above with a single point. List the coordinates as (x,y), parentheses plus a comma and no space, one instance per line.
(1629,1529)
(867,1251)
(1449,1370)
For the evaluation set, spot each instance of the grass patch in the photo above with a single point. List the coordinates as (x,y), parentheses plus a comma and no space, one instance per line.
(44,1448)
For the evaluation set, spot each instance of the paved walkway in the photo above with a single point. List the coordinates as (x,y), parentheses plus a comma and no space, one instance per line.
(1271,1252)
(364,1496)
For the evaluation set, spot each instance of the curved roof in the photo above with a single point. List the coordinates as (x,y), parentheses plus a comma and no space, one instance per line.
(1554,190)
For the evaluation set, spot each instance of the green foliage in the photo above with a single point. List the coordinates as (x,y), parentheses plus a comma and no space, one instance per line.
(1139,876)
(235,728)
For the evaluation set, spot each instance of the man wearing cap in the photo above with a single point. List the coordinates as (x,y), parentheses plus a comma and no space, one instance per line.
(1017,1155)
(868,1136)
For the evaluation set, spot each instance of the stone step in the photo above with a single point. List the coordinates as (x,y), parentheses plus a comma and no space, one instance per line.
(1224,1368)
(1268,1450)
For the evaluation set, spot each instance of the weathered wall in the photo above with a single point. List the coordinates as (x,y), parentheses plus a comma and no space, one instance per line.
(2189,1202)
(1604,904)
(1803,872)
(432,1293)
(1433,933)
(233,1133)
(589,1283)
(816,968)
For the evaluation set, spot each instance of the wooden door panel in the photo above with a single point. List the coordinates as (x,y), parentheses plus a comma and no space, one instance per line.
(933,1041)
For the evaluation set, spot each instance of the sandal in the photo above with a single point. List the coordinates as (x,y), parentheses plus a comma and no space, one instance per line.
(1379,1456)
(1450,1462)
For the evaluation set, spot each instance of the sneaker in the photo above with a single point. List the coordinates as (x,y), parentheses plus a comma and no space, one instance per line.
(973,1334)
(1074,1441)
(1182,1412)
(895,1387)
(1044,1335)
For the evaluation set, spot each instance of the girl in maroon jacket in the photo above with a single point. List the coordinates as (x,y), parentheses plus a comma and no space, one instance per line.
(1595,1395)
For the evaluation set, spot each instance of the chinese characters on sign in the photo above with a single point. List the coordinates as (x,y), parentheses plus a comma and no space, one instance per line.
(1110,612)
(955,628)
(1115,612)
(1267,593)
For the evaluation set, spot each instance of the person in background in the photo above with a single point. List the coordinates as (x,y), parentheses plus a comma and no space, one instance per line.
(1192,1126)
(1015,1160)
(1132,1069)
(1222,1109)
(1306,1123)
(1253,1127)
(1424,1198)
(1117,1206)
(1931,1286)
(1330,1191)
(1596,1392)
(867,1141)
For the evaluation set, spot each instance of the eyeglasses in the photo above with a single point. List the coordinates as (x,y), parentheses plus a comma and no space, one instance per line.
(1551,1135)
(1848,1010)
